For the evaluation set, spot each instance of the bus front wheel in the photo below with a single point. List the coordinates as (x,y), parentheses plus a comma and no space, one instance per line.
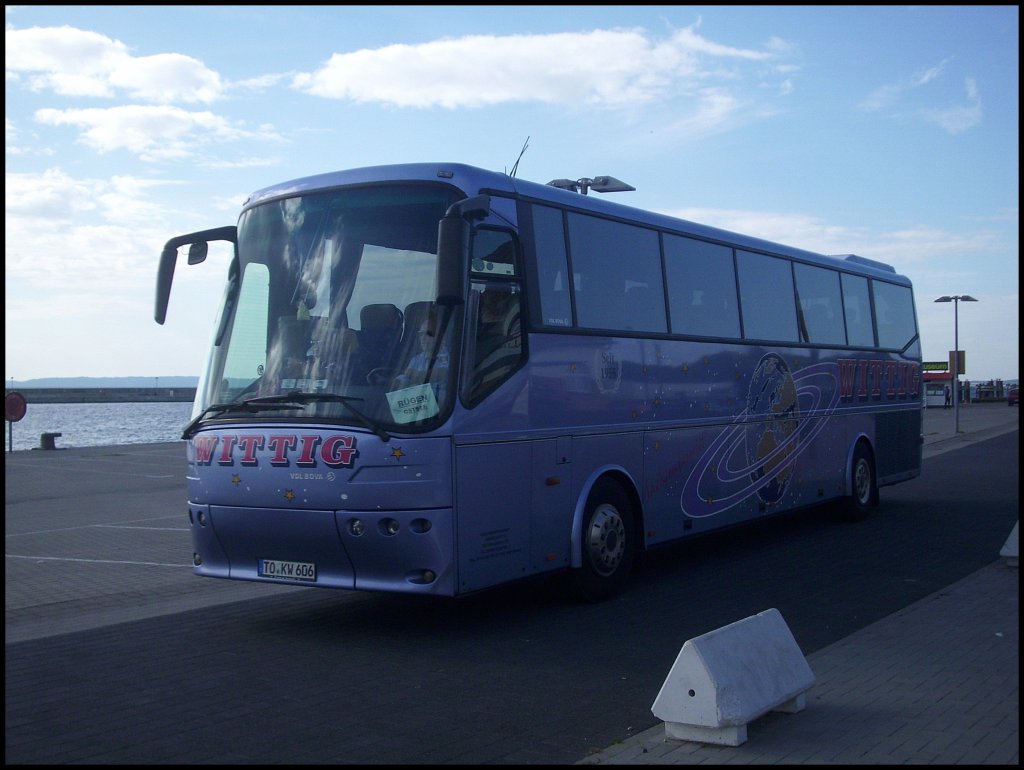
(608,542)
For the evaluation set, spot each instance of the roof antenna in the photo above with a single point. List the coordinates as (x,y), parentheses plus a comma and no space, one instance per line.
(512,173)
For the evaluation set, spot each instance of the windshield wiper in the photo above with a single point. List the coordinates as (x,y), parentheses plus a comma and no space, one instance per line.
(262,404)
(293,400)
(306,397)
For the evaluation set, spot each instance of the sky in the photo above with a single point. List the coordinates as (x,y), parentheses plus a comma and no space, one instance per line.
(886,131)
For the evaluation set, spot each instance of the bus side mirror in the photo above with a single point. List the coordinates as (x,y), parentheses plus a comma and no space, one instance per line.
(198,247)
(453,248)
(197,252)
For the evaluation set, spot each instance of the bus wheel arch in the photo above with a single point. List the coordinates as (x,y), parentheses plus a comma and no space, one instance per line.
(607,540)
(862,482)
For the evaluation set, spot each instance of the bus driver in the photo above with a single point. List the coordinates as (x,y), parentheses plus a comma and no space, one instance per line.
(430,364)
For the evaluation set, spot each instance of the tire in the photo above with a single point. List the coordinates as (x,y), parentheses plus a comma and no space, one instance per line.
(863,485)
(609,542)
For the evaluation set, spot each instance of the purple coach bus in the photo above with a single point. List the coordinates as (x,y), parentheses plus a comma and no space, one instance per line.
(436,379)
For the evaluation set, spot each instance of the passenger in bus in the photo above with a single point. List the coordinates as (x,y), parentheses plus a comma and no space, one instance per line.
(498,342)
(335,348)
(286,355)
(497,327)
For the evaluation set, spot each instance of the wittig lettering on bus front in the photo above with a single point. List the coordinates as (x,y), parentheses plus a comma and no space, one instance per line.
(337,451)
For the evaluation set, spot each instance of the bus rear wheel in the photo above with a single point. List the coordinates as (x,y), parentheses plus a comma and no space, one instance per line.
(608,542)
(863,486)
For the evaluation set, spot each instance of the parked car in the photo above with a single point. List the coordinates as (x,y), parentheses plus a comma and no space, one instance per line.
(1013,395)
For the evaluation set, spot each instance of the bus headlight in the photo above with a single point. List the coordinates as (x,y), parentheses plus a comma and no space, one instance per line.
(356,527)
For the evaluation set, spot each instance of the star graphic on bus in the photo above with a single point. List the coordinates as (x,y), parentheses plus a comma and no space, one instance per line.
(236,479)
(289,495)
(397,453)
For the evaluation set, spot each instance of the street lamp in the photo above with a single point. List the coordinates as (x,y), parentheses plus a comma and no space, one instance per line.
(956,299)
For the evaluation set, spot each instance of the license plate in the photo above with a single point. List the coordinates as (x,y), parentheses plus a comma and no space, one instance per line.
(287,570)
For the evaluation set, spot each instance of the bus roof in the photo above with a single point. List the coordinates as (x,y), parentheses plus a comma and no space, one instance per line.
(473,180)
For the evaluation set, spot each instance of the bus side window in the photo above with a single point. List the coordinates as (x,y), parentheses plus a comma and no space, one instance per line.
(859,331)
(767,297)
(702,288)
(612,257)
(818,297)
(497,344)
(894,314)
(551,266)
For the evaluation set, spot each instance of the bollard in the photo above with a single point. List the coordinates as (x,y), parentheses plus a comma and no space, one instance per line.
(46,440)
(726,678)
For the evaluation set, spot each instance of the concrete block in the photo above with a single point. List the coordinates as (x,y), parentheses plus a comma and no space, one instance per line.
(726,678)
(1009,550)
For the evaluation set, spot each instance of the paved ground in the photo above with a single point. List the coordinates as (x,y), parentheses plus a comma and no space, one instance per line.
(936,683)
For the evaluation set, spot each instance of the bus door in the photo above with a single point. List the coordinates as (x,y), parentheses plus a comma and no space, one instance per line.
(492,512)
(515,508)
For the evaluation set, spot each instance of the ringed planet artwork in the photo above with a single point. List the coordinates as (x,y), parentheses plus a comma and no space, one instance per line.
(757,454)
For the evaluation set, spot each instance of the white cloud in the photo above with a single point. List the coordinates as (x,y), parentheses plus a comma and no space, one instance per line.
(155,133)
(958,118)
(886,95)
(51,196)
(169,77)
(609,68)
(954,119)
(67,233)
(78,63)
(712,110)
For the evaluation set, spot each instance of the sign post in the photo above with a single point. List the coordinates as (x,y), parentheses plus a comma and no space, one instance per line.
(15,407)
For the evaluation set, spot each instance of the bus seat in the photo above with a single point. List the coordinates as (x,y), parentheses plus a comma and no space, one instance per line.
(340,341)
(380,331)
(337,354)
(415,314)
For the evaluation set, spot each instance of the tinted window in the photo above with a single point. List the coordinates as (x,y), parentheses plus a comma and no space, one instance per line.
(618,275)
(821,309)
(766,296)
(894,315)
(247,347)
(857,308)
(552,276)
(702,288)
(493,254)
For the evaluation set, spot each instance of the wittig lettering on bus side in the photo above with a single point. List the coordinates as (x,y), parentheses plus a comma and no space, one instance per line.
(864,377)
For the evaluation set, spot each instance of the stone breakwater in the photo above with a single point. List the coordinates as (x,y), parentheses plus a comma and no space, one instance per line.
(105,395)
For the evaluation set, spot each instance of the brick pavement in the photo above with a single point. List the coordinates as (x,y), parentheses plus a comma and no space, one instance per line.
(935,683)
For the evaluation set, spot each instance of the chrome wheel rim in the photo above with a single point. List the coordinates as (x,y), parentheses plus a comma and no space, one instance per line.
(862,482)
(606,540)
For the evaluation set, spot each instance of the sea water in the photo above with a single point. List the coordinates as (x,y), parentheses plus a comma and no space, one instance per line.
(99,424)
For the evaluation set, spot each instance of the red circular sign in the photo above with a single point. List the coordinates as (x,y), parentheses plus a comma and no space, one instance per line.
(14,406)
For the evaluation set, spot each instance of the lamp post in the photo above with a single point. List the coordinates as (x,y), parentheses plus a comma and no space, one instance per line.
(956,299)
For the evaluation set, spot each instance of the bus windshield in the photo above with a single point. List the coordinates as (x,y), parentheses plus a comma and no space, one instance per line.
(331,301)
